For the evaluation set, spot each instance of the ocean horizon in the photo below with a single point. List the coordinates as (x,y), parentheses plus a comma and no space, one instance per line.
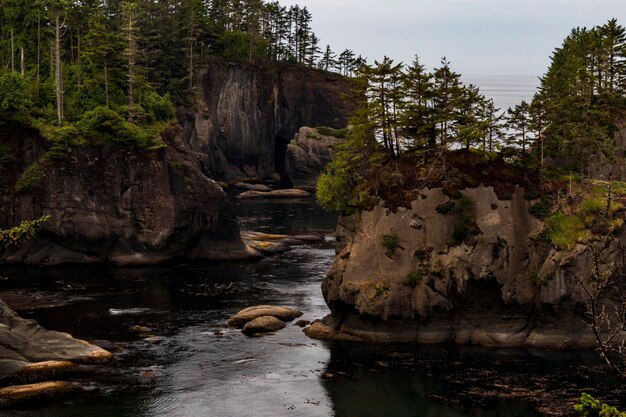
(505,90)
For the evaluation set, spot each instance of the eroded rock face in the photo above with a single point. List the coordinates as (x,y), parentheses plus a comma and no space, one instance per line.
(501,288)
(119,206)
(307,155)
(248,114)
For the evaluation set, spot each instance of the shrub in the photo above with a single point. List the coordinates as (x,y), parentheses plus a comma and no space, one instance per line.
(422,255)
(103,126)
(31,180)
(14,238)
(333,189)
(156,107)
(564,231)
(14,93)
(413,278)
(590,407)
(465,226)
(390,242)
(445,208)
(540,209)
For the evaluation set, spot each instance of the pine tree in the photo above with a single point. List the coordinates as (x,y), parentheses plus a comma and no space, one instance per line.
(446,95)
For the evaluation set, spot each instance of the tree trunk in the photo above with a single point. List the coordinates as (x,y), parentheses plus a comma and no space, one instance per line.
(12,53)
(106,84)
(57,62)
(22,64)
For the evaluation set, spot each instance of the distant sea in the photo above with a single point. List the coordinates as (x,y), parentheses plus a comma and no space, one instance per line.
(506,90)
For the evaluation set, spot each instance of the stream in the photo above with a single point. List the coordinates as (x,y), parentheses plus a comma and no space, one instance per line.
(193,365)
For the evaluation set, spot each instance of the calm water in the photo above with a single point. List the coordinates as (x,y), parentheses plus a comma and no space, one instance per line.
(506,90)
(201,368)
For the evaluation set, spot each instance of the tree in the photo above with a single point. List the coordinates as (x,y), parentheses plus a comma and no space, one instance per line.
(328,60)
(518,121)
(493,119)
(130,12)
(446,95)
(418,117)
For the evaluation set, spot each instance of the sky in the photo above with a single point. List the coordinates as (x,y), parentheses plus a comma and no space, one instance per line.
(481,37)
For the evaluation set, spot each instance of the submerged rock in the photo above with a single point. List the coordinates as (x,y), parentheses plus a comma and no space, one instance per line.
(263,324)
(248,314)
(27,395)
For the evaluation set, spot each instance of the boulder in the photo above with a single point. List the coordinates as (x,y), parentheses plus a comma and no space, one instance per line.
(263,324)
(248,314)
(291,193)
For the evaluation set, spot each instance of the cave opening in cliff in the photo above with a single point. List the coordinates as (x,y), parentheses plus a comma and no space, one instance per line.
(280,155)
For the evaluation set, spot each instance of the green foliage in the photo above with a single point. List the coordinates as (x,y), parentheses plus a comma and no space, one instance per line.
(564,231)
(465,226)
(446,207)
(32,179)
(540,210)
(14,94)
(333,186)
(103,126)
(14,238)
(329,131)
(156,107)
(591,407)
(413,278)
(390,243)
(540,280)
(422,255)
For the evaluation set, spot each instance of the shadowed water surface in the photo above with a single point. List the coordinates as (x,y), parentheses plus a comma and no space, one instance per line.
(195,366)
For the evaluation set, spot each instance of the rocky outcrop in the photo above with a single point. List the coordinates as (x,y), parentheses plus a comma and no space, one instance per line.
(248,114)
(400,276)
(126,207)
(307,155)
(30,352)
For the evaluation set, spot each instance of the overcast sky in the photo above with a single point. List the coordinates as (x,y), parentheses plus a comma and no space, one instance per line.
(478,36)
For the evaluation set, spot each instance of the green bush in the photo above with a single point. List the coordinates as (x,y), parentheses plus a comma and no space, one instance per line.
(422,255)
(333,189)
(540,210)
(564,231)
(156,107)
(446,207)
(390,242)
(465,226)
(413,278)
(32,179)
(103,126)
(14,94)
(14,238)
(590,407)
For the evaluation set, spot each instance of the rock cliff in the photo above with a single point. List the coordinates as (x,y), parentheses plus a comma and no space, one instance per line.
(307,155)
(114,205)
(404,276)
(246,115)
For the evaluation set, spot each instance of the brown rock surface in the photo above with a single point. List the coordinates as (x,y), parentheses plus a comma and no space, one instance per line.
(276,194)
(248,314)
(478,292)
(263,324)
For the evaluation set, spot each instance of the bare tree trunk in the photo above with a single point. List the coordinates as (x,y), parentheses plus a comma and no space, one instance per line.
(12,53)
(57,62)
(78,60)
(22,63)
(106,84)
(38,53)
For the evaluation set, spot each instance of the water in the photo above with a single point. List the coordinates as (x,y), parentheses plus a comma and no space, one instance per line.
(505,90)
(199,367)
